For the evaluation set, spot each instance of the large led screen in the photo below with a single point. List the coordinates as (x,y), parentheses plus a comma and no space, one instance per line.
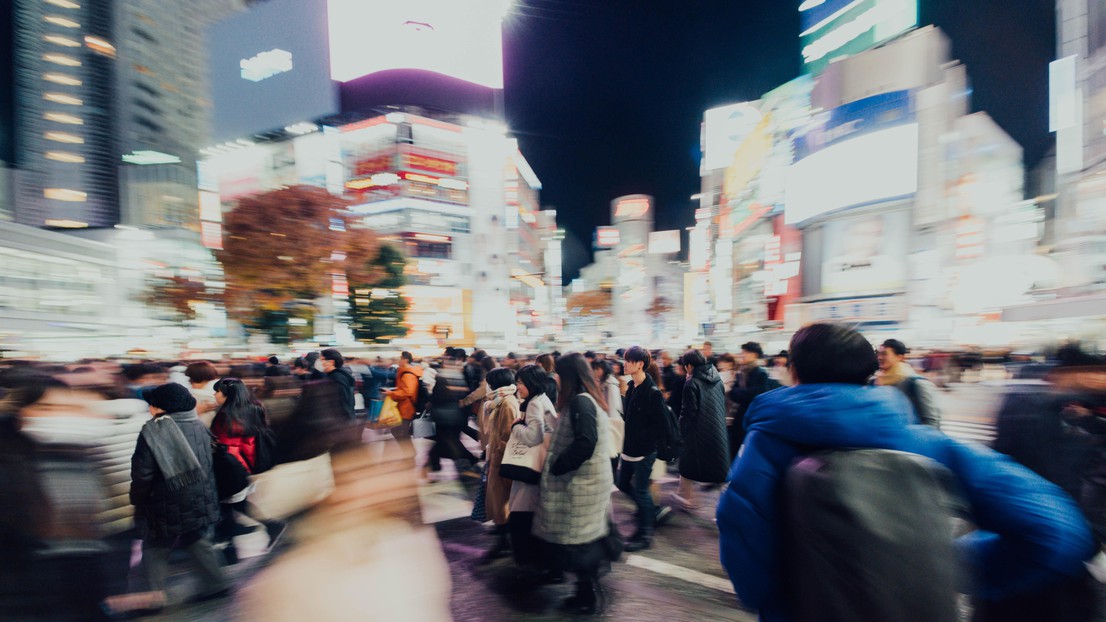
(833,29)
(458,38)
(873,167)
(269,68)
(865,254)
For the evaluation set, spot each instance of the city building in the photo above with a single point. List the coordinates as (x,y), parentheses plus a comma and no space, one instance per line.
(402,114)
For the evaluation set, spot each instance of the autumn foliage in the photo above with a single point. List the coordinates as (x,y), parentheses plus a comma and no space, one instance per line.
(596,302)
(283,248)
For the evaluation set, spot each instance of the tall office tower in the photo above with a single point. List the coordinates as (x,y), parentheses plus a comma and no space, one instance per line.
(61,100)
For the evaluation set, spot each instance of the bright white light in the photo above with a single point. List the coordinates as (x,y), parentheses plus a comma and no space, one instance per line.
(301,128)
(64,137)
(726,128)
(64,156)
(65,194)
(266,65)
(62,98)
(64,22)
(150,157)
(61,78)
(458,38)
(664,242)
(61,59)
(62,41)
(869,168)
(61,117)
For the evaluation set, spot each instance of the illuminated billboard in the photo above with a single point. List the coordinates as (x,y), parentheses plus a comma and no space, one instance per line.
(866,254)
(607,237)
(833,29)
(877,166)
(269,55)
(664,242)
(724,130)
(457,38)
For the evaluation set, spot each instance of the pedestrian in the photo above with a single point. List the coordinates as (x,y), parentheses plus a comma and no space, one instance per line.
(780,370)
(547,362)
(668,372)
(644,413)
(173,490)
(704,456)
(314,368)
(894,371)
(604,375)
(405,394)
(201,381)
(534,428)
(333,364)
(573,513)
(450,420)
(240,424)
(275,368)
(752,380)
(477,397)
(1031,541)
(501,410)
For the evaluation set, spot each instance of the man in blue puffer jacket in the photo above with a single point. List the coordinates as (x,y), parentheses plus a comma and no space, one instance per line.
(1031,534)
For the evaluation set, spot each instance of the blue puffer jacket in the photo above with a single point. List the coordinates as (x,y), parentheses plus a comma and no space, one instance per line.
(1031,532)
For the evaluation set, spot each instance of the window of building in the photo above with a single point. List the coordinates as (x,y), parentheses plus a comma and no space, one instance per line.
(65,194)
(64,22)
(65,42)
(142,34)
(61,78)
(65,4)
(62,98)
(143,69)
(149,90)
(64,156)
(64,137)
(148,124)
(61,117)
(61,59)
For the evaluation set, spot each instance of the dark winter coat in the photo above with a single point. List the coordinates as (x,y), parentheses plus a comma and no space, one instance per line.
(706,455)
(162,513)
(643,412)
(344,379)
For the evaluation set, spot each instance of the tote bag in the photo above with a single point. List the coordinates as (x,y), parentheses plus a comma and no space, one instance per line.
(389,414)
(522,463)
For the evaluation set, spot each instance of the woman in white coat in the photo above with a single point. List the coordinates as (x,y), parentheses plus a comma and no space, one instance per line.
(608,382)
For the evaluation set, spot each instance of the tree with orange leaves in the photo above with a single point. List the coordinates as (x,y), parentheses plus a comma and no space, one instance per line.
(284,249)
(597,302)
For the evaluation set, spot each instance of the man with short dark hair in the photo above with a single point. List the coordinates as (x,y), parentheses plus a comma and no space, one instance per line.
(336,372)
(1032,541)
(275,368)
(894,371)
(751,381)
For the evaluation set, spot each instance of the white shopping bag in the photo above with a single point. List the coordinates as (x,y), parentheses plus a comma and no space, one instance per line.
(293,487)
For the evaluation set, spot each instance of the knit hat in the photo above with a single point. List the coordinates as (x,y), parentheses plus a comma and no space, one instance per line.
(170,397)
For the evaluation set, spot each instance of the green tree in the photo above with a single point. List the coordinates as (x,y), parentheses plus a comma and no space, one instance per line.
(377,308)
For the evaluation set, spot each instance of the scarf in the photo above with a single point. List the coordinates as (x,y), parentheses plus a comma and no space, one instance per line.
(897,373)
(175,458)
(499,394)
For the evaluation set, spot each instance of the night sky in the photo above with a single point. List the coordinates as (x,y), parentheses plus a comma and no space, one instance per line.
(606,96)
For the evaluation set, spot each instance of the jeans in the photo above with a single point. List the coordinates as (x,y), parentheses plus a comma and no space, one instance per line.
(155,557)
(633,479)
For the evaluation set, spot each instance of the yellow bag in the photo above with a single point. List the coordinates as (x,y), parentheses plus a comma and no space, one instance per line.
(389,414)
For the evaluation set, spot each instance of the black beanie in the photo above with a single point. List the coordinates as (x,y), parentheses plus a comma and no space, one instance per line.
(171,397)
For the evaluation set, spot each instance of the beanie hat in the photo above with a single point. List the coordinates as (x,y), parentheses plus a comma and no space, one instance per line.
(171,397)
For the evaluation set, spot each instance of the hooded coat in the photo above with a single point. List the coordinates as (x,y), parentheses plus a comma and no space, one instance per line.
(705,456)
(1030,534)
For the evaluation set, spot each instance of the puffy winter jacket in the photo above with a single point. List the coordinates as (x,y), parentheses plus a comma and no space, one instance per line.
(705,456)
(163,513)
(643,412)
(1031,533)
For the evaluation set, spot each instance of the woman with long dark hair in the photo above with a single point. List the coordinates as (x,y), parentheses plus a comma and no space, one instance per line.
(604,375)
(239,424)
(532,429)
(576,482)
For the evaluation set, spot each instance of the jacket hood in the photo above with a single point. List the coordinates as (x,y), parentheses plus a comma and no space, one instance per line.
(414,369)
(830,415)
(341,374)
(707,373)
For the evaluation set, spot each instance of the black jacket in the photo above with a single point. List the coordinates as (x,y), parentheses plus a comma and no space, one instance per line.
(756,382)
(344,379)
(163,513)
(643,409)
(706,455)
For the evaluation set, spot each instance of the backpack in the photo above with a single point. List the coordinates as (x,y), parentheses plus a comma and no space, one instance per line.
(422,398)
(264,451)
(672,442)
(869,537)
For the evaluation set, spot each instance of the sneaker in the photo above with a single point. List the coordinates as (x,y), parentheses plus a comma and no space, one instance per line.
(664,513)
(682,503)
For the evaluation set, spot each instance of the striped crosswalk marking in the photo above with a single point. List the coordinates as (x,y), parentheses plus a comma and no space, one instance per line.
(979,432)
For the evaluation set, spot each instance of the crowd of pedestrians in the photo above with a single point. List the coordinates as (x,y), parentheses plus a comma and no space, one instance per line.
(552,438)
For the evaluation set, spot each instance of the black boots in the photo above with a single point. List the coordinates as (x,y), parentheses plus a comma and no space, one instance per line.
(586,599)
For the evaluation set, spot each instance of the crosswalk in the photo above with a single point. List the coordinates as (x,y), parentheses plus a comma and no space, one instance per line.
(974,431)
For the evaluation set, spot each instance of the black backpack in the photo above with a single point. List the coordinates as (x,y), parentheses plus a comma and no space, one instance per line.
(671,441)
(265,449)
(869,538)
(422,398)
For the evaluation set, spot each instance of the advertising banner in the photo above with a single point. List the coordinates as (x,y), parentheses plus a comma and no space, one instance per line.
(854,119)
(866,254)
(833,29)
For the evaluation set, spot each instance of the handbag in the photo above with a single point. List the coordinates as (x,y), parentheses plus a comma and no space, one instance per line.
(231,476)
(523,463)
(389,414)
(423,426)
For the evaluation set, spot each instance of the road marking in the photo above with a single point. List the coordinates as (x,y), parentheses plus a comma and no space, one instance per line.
(681,573)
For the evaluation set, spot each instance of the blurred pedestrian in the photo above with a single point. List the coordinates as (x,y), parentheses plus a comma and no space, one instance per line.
(533,428)
(604,375)
(449,420)
(334,367)
(405,394)
(752,381)
(275,368)
(705,455)
(573,513)
(1031,542)
(644,413)
(894,371)
(202,376)
(173,490)
(501,410)
(241,424)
